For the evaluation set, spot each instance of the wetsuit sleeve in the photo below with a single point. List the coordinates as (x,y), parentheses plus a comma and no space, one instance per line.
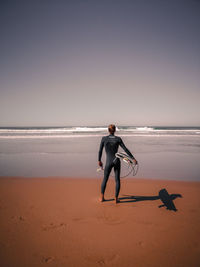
(101,149)
(125,148)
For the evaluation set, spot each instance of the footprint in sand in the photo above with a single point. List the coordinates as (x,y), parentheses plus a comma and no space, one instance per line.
(111,220)
(101,262)
(48,259)
(21,218)
(107,219)
(18,218)
(141,243)
(79,219)
(53,226)
(108,260)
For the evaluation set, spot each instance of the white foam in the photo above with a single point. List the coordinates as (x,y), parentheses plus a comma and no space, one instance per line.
(33,130)
(55,130)
(88,129)
(85,131)
(46,136)
(144,128)
(135,129)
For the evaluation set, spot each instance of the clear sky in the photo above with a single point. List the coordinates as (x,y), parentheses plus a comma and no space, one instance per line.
(129,62)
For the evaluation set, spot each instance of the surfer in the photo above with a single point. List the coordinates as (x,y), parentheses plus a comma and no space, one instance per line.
(111,144)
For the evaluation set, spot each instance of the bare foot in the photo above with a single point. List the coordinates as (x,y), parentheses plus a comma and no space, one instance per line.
(101,199)
(117,200)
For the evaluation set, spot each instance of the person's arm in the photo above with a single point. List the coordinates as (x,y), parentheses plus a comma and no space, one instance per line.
(100,151)
(121,143)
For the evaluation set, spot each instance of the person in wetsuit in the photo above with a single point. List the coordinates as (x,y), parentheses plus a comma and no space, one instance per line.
(111,144)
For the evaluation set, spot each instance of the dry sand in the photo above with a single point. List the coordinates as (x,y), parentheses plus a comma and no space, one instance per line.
(60,222)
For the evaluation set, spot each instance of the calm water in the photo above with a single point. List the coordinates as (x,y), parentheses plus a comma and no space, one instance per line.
(162,152)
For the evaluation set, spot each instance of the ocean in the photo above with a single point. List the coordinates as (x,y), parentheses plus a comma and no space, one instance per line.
(171,153)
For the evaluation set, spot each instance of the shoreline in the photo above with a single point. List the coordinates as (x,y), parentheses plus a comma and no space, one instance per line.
(132,179)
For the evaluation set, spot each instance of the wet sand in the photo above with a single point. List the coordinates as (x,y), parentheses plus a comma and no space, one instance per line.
(60,222)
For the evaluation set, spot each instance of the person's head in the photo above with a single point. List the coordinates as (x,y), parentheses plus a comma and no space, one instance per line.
(111,128)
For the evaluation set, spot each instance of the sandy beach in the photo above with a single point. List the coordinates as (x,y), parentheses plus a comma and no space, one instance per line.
(60,222)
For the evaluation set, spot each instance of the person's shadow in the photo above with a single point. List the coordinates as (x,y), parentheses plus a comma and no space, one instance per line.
(163,195)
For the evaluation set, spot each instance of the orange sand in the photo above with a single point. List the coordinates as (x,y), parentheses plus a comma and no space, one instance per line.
(59,222)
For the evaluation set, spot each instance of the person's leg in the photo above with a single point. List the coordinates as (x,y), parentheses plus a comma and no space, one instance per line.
(117,168)
(107,171)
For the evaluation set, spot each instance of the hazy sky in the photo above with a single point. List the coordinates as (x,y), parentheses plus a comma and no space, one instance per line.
(98,62)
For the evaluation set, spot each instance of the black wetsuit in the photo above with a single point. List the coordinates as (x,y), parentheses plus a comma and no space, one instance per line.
(111,144)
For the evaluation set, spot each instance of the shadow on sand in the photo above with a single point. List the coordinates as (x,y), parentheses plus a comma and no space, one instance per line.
(163,195)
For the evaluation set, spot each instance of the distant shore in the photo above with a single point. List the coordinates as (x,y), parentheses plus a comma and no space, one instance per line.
(60,222)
